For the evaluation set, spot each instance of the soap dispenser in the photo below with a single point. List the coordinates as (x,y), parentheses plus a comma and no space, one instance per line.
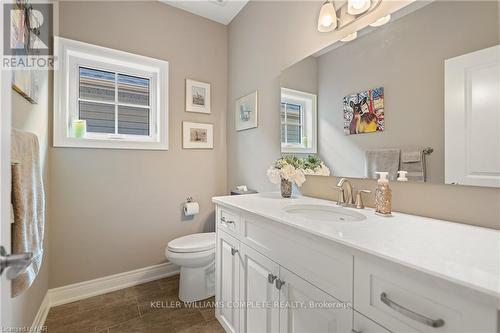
(383,195)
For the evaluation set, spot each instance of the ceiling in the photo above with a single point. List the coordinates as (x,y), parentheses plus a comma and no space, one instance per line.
(222,11)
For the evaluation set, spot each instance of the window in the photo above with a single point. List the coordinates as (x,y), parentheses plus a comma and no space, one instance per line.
(291,123)
(122,98)
(298,121)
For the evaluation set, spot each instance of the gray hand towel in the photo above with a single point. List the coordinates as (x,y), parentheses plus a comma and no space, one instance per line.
(413,161)
(28,202)
(382,160)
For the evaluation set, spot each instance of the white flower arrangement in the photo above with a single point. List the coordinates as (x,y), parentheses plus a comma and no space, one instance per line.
(294,169)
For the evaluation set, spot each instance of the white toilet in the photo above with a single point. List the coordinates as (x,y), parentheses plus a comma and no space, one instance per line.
(195,254)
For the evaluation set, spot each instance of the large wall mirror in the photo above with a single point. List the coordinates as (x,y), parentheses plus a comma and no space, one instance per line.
(419,93)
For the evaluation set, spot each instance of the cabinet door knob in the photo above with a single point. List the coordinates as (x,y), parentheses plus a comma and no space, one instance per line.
(279,284)
(271,277)
(233,251)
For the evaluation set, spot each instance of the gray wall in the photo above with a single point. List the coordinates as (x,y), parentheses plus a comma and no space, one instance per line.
(116,210)
(257,54)
(406,57)
(302,76)
(34,118)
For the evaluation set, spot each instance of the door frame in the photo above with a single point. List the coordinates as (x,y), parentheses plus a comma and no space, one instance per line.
(5,185)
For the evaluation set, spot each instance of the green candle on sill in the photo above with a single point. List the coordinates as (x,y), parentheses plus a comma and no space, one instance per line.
(79,128)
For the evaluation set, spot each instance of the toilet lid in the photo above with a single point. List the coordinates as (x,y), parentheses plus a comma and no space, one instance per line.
(193,243)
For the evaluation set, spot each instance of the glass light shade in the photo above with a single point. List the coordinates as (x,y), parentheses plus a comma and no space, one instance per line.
(350,37)
(356,7)
(381,21)
(327,20)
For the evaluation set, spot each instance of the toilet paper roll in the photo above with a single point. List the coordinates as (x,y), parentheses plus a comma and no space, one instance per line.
(191,208)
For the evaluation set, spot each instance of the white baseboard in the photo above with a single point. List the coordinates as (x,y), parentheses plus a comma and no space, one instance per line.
(41,315)
(81,290)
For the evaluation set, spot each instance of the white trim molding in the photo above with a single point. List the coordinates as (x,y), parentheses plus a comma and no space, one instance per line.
(41,315)
(86,289)
(72,55)
(82,290)
(308,121)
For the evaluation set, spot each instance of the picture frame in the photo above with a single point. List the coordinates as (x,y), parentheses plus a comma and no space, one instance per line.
(198,97)
(197,135)
(246,112)
(364,112)
(24,81)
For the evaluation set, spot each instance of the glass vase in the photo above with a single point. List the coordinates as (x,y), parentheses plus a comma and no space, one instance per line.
(286,188)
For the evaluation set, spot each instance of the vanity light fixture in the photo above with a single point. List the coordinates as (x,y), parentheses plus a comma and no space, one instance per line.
(356,7)
(350,37)
(381,21)
(327,20)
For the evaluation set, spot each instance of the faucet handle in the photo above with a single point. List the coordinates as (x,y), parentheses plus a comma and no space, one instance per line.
(359,199)
(341,198)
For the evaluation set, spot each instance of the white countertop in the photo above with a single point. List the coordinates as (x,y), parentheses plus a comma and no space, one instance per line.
(463,254)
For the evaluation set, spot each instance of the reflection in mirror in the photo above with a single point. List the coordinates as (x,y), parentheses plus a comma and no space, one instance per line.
(381,97)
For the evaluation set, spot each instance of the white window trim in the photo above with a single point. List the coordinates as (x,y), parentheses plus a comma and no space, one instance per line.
(309,121)
(72,54)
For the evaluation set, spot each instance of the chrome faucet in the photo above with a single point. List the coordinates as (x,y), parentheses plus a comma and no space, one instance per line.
(346,195)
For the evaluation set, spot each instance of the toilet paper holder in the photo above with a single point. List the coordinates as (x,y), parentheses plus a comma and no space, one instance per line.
(191,207)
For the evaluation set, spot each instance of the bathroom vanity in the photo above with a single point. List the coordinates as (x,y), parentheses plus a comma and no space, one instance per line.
(308,265)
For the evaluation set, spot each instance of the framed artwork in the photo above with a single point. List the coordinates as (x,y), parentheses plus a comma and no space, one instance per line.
(24,81)
(197,96)
(246,112)
(197,135)
(364,112)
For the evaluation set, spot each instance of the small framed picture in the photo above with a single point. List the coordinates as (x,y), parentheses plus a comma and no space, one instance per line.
(197,96)
(197,135)
(246,112)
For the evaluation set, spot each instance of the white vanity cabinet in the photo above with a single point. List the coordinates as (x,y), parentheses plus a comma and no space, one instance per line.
(362,324)
(269,297)
(281,277)
(306,308)
(227,286)
(259,294)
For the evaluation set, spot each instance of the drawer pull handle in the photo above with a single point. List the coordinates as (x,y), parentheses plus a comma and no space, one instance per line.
(271,277)
(411,314)
(223,219)
(233,251)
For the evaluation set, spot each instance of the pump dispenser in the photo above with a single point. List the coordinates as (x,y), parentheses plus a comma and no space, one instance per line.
(402,176)
(383,195)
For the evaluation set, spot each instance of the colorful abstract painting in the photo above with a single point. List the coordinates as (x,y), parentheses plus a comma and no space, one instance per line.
(364,112)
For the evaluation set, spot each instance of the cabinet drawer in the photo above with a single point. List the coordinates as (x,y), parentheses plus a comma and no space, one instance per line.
(405,301)
(228,221)
(365,325)
(315,260)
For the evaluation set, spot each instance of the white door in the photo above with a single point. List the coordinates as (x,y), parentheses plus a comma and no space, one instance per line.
(258,292)
(309,309)
(227,278)
(5,124)
(472,118)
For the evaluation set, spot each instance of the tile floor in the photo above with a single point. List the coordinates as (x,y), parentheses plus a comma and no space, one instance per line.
(147,308)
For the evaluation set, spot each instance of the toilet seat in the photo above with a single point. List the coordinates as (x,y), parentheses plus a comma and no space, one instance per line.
(193,243)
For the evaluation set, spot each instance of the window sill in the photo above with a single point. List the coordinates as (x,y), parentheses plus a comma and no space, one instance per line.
(298,150)
(109,144)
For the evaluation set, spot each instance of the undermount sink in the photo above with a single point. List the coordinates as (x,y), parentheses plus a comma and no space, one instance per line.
(324,213)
